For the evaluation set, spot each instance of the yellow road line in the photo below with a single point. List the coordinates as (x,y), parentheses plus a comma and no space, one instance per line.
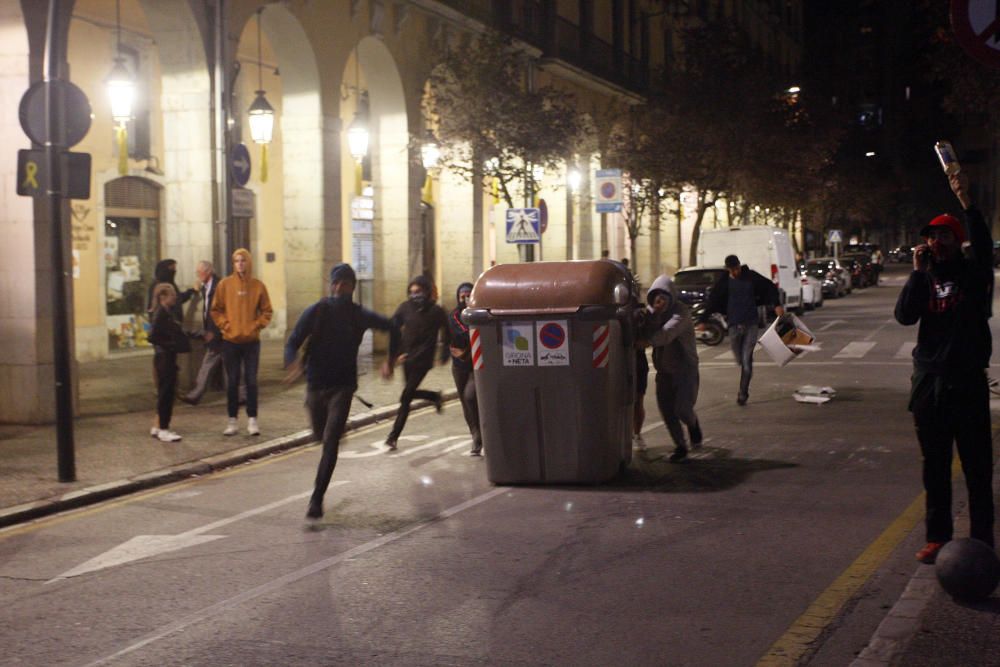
(798,639)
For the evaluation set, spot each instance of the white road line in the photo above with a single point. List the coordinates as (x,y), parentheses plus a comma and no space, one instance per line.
(725,356)
(459,445)
(290,578)
(855,350)
(879,329)
(433,443)
(830,324)
(905,350)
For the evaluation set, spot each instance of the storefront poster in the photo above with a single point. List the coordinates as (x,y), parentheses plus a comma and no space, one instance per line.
(130,268)
(110,252)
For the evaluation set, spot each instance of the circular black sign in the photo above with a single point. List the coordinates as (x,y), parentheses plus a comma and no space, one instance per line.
(76,112)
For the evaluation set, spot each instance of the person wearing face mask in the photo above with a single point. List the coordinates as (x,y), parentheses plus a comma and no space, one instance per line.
(461,367)
(670,332)
(421,320)
(166,272)
(949,294)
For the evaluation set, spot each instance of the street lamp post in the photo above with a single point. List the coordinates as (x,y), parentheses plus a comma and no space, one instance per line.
(261,113)
(430,155)
(121,92)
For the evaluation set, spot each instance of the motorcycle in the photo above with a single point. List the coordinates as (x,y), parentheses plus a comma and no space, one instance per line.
(709,330)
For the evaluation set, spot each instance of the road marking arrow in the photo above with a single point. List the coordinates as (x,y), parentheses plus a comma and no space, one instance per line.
(146,546)
(830,324)
(378,447)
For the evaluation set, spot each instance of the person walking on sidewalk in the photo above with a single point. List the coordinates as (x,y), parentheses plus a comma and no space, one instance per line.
(334,327)
(241,309)
(461,367)
(168,341)
(209,333)
(737,296)
(421,320)
(670,331)
(949,295)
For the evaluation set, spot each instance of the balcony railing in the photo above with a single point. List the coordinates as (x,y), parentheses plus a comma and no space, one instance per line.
(559,38)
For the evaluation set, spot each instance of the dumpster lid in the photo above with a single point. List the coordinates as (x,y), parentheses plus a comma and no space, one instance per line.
(551,287)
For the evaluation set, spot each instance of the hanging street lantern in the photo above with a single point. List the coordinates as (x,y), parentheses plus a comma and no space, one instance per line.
(430,152)
(357,137)
(121,92)
(261,113)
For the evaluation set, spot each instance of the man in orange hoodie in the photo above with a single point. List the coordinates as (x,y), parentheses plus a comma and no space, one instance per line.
(241,308)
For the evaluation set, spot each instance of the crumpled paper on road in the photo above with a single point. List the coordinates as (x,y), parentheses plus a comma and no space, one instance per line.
(809,393)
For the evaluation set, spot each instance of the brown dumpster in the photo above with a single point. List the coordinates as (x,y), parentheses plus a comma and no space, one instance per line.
(554,370)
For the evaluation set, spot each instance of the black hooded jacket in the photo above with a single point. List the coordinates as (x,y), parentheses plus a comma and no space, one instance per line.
(165,272)
(460,332)
(420,324)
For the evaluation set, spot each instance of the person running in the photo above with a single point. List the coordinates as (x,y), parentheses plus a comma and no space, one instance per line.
(421,320)
(670,331)
(737,296)
(168,341)
(241,309)
(461,367)
(334,327)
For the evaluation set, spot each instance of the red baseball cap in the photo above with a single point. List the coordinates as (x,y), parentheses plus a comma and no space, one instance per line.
(949,221)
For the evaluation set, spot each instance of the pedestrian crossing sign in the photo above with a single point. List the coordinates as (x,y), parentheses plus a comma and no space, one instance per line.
(524,225)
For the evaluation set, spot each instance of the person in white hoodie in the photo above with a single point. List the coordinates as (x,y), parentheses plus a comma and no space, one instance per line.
(670,331)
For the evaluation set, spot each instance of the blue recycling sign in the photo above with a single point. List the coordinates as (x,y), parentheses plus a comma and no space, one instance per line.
(524,225)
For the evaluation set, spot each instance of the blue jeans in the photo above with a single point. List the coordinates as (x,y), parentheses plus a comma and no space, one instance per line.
(743,338)
(237,357)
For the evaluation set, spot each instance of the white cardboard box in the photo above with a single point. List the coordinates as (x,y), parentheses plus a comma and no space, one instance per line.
(775,347)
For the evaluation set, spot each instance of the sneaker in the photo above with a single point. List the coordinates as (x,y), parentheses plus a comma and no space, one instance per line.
(154,432)
(252,428)
(166,435)
(315,511)
(929,553)
(391,444)
(232,427)
(679,455)
(638,442)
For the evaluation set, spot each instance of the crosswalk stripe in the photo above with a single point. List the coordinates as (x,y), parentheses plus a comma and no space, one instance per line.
(726,356)
(905,350)
(855,350)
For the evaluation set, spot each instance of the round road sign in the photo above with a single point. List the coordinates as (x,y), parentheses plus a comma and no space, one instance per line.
(77,112)
(552,336)
(977,29)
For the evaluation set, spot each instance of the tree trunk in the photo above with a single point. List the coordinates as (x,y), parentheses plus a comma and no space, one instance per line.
(696,231)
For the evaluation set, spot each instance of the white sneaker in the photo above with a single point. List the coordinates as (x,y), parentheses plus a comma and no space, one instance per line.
(166,435)
(232,428)
(252,428)
(154,432)
(638,442)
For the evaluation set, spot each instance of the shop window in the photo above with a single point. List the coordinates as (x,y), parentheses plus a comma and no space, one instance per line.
(131,251)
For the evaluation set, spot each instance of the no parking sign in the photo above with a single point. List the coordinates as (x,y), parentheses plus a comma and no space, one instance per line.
(553,343)
(977,29)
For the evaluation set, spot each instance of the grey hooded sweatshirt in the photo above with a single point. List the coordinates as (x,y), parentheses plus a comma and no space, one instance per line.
(671,333)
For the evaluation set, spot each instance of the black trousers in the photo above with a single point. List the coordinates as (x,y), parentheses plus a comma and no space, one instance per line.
(414,376)
(165,365)
(676,396)
(958,412)
(243,357)
(328,411)
(466,386)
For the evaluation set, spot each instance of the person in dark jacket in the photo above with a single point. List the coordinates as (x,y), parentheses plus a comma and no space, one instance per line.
(209,333)
(949,295)
(461,367)
(737,296)
(334,327)
(168,341)
(166,272)
(421,320)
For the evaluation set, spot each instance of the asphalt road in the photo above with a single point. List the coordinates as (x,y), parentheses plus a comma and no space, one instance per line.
(784,539)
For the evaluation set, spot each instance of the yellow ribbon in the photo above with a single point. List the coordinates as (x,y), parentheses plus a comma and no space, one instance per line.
(263,163)
(121,133)
(30,171)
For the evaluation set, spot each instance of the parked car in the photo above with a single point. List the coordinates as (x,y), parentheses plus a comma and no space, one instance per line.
(902,254)
(694,283)
(836,279)
(861,267)
(812,289)
(765,249)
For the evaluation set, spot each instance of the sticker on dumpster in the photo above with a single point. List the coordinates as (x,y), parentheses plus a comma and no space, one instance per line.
(601,338)
(553,347)
(518,345)
(477,350)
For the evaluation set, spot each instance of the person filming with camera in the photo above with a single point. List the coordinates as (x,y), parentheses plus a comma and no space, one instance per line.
(949,294)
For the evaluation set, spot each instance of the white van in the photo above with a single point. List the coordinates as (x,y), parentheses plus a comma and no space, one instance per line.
(766,250)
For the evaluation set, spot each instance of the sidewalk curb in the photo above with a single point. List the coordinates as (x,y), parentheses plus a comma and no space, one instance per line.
(36,509)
